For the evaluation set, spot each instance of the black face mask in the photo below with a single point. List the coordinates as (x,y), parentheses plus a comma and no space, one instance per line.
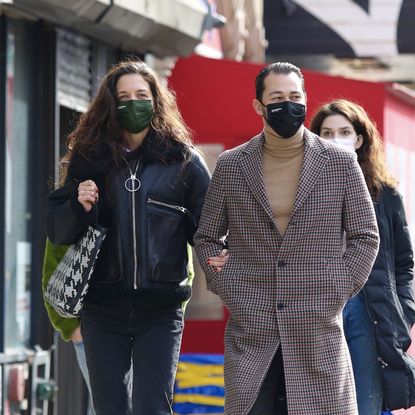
(285,118)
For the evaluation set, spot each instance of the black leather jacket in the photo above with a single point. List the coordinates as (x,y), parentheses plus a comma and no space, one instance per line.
(390,302)
(148,230)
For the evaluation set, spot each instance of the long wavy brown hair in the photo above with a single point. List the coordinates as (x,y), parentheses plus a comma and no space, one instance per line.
(370,155)
(99,123)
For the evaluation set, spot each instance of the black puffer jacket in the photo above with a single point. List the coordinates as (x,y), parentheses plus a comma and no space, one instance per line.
(145,249)
(390,302)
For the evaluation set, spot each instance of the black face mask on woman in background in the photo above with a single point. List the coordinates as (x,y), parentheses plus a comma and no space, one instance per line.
(285,118)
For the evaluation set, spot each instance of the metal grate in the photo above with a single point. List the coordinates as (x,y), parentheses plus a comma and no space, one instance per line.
(74,76)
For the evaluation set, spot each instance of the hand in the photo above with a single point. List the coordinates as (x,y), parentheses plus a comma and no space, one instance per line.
(88,194)
(218,262)
(76,335)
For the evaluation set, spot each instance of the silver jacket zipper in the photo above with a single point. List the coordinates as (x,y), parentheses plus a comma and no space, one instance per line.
(181,209)
(168,205)
(133,176)
(134,243)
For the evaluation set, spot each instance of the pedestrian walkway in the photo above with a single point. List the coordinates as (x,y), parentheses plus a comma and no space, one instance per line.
(410,411)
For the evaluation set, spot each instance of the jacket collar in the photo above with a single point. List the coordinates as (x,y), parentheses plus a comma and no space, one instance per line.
(157,148)
(154,149)
(313,163)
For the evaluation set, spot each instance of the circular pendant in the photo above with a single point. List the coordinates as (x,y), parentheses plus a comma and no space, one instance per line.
(132,184)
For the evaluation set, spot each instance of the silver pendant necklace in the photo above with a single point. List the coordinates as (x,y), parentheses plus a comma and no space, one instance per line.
(132,183)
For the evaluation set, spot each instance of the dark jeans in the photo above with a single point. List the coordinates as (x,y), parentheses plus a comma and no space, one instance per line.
(132,358)
(358,329)
(272,399)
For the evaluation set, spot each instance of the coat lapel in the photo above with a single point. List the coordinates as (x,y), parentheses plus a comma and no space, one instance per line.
(251,166)
(313,164)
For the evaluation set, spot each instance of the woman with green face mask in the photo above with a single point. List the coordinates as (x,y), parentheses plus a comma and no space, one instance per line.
(131,167)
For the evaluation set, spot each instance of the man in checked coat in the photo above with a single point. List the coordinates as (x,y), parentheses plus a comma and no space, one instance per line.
(301,239)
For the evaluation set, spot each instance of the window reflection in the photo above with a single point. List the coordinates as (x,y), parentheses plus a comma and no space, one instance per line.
(17,244)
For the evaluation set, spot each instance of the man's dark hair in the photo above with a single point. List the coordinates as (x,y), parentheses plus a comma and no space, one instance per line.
(284,68)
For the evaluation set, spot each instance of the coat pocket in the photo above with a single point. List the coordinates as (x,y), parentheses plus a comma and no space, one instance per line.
(228,283)
(167,228)
(107,268)
(341,277)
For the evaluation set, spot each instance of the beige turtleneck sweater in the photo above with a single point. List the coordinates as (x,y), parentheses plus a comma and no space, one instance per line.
(282,159)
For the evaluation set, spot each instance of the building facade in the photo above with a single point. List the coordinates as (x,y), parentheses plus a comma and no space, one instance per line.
(52,55)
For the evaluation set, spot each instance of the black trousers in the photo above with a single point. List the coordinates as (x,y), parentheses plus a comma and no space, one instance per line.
(132,358)
(272,399)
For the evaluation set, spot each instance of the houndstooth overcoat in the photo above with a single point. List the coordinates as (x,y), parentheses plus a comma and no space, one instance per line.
(289,291)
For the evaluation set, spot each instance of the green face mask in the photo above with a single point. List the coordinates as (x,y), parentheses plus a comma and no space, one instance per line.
(135,115)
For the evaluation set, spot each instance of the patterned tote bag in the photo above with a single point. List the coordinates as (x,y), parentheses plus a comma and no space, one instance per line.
(69,283)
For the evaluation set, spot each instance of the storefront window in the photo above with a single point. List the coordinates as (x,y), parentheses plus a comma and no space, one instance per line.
(17,255)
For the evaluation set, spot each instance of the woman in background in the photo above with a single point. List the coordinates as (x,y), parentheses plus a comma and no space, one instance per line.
(378,320)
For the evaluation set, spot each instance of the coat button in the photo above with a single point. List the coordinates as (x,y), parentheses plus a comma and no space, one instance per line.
(281,263)
(271,225)
(280,306)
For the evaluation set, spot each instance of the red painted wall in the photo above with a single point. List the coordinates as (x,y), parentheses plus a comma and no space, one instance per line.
(215,97)
(323,88)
